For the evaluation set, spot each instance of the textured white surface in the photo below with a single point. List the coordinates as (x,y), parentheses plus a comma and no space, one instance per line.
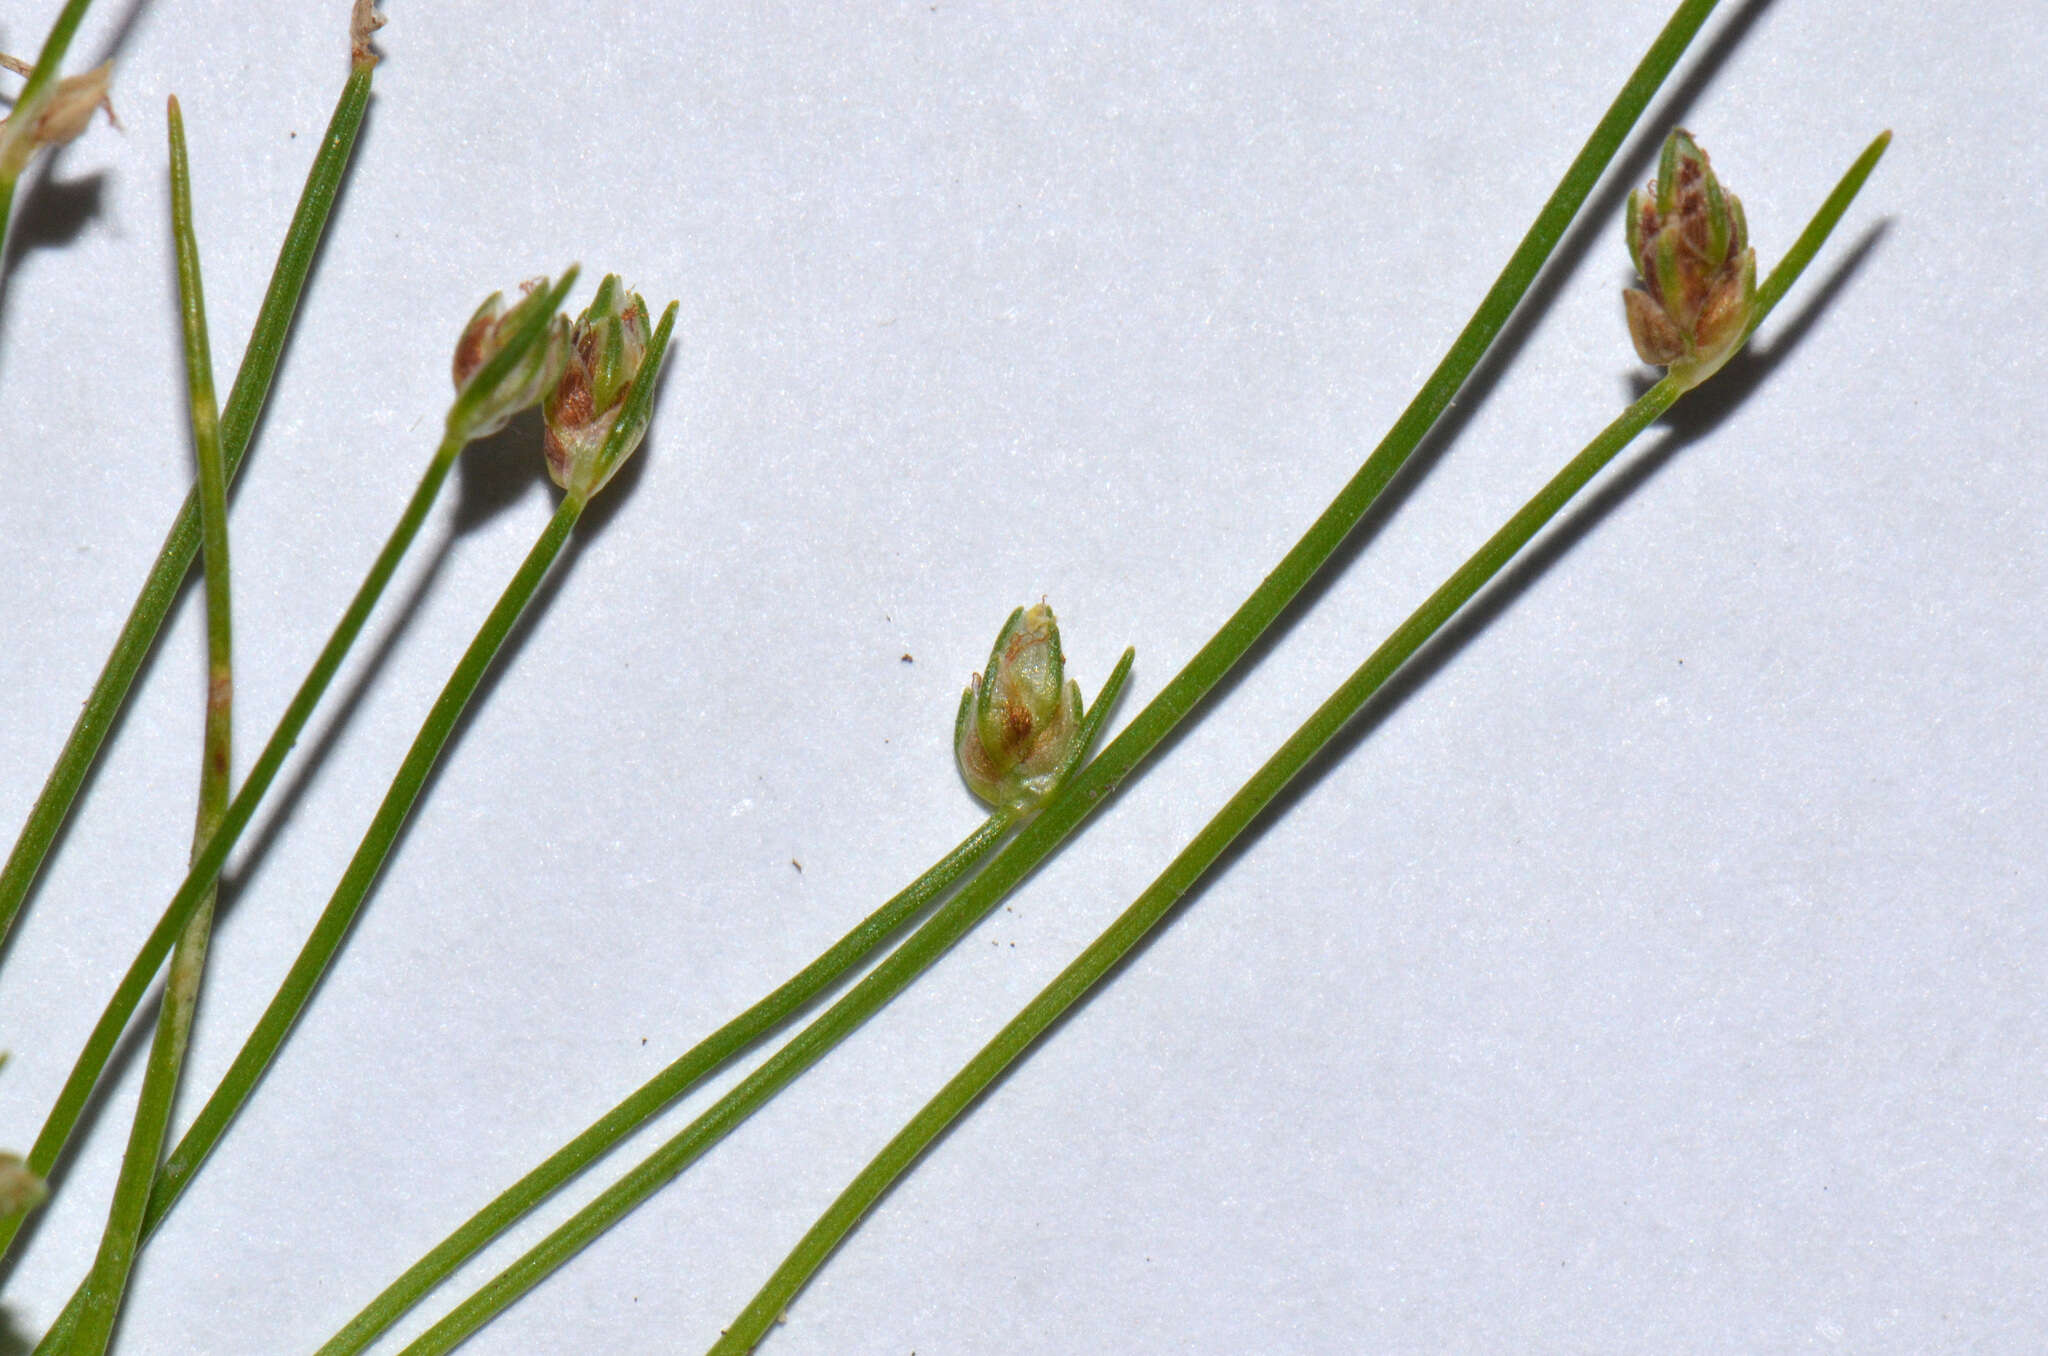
(1664,973)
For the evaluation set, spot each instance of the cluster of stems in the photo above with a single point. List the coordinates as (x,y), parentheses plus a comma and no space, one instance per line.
(181,544)
(226,433)
(1073,984)
(1023,734)
(504,362)
(1091,784)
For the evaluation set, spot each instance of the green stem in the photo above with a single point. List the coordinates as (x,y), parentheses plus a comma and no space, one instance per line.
(749,1095)
(206,867)
(213,494)
(333,924)
(1254,796)
(1094,783)
(672,1082)
(40,79)
(109,1277)
(696,1064)
(181,544)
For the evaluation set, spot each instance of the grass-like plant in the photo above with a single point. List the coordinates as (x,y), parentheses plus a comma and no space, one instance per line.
(1023,735)
(506,380)
(1094,783)
(1703,338)
(237,423)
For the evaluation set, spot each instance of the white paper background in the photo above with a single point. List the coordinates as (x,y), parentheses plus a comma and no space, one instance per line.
(1662,972)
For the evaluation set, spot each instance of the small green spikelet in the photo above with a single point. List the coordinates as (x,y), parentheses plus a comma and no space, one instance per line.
(533,376)
(1688,239)
(1018,732)
(607,348)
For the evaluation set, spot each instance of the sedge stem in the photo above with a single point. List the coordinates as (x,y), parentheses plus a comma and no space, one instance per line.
(699,1062)
(806,1048)
(1095,782)
(181,544)
(206,867)
(333,924)
(1102,955)
(109,1277)
(334,920)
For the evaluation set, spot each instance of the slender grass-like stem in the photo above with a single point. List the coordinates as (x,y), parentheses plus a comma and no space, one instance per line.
(1101,955)
(206,867)
(672,1082)
(45,73)
(109,1277)
(333,923)
(698,1062)
(806,1048)
(213,500)
(181,544)
(1095,782)
(332,926)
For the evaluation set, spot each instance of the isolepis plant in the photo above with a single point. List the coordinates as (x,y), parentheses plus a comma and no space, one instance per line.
(582,390)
